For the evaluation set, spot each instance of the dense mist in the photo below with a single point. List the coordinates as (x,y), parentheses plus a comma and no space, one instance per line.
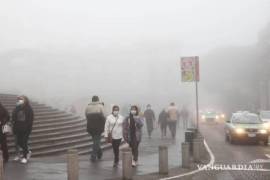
(63,52)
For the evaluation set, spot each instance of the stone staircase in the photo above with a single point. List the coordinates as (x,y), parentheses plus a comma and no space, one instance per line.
(54,131)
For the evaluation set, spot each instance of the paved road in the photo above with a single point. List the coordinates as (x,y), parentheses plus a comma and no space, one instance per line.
(228,154)
(54,168)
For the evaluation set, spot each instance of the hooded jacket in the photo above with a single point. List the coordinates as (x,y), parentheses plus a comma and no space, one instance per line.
(94,113)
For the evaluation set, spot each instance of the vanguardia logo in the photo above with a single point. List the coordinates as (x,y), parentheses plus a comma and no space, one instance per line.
(232,167)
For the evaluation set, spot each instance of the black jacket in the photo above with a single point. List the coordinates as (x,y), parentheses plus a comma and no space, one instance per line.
(23,126)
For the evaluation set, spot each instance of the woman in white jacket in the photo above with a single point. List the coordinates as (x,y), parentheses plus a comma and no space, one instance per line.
(114,132)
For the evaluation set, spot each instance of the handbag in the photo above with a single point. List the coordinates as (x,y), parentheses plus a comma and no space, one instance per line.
(6,129)
(109,139)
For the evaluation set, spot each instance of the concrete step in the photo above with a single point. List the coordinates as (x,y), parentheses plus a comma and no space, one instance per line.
(59,124)
(54,139)
(40,137)
(57,120)
(52,116)
(82,147)
(36,110)
(56,129)
(56,144)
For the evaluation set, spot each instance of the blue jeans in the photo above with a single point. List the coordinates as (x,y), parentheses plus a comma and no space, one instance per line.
(97,152)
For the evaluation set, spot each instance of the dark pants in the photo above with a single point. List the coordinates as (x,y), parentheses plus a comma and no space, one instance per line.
(116,144)
(97,152)
(163,128)
(172,127)
(4,148)
(150,126)
(22,138)
(134,145)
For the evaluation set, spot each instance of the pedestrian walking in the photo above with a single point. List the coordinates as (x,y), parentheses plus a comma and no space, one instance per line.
(162,122)
(22,118)
(133,132)
(114,132)
(94,113)
(173,117)
(184,116)
(4,119)
(150,119)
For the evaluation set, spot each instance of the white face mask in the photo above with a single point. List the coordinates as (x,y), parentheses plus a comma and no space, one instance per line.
(20,102)
(133,112)
(115,113)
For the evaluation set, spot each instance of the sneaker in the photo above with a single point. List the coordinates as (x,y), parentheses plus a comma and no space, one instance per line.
(16,158)
(93,158)
(24,161)
(29,155)
(100,154)
(134,163)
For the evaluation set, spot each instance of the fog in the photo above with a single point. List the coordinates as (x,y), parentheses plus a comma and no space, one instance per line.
(62,52)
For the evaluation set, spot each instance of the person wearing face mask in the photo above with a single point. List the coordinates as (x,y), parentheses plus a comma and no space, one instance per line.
(133,132)
(4,119)
(113,132)
(22,118)
(150,119)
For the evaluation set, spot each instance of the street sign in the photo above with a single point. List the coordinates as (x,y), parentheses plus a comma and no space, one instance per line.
(190,73)
(190,69)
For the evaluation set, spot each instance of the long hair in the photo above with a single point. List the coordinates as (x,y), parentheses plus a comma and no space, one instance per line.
(135,107)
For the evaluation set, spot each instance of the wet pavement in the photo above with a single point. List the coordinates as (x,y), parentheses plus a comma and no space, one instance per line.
(54,168)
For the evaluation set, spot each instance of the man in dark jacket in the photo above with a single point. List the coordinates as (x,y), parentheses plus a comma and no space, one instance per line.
(162,121)
(22,118)
(4,118)
(95,125)
(150,119)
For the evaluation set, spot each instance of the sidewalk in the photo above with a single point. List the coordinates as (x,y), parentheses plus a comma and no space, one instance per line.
(54,168)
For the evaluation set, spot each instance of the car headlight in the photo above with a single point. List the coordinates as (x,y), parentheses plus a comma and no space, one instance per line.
(263,131)
(239,130)
(266,125)
(223,115)
(217,117)
(203,116)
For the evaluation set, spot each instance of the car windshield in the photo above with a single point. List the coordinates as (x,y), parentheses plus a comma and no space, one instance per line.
(247,119)
(265,114)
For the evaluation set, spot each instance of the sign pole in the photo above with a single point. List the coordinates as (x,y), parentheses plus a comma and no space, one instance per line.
(191,73)
(197,105)
(197,93)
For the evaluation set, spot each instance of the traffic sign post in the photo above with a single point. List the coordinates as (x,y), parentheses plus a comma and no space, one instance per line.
(191,73)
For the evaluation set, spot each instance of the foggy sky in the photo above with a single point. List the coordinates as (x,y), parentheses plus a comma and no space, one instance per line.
(128,49)
(79,25)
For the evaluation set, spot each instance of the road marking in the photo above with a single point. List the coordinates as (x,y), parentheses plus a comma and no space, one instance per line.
(211,163)
(267,155)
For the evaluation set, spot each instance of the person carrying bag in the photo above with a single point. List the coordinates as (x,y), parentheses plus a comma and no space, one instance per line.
(114,135)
